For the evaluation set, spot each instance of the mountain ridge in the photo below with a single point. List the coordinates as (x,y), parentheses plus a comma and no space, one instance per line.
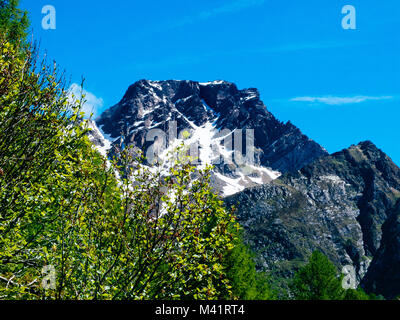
(338,205)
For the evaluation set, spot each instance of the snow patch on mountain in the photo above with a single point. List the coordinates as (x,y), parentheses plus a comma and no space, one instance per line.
(206,149)
(102,144)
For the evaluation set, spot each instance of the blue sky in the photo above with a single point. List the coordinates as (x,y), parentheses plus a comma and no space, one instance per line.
(338,86)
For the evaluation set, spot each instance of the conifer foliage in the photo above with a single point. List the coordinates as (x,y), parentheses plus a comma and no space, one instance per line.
(14,22)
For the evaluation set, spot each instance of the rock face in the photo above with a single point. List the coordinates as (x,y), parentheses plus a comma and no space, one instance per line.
(342,205)
(383,275)
(214,113)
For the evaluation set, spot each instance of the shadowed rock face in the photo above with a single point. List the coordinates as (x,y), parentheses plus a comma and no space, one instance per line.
(383,275)
(341,205)
(151,104)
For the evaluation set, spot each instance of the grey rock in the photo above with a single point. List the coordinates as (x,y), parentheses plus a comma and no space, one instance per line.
(340,205)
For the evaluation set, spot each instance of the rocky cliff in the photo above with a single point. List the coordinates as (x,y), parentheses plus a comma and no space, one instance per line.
(343,205)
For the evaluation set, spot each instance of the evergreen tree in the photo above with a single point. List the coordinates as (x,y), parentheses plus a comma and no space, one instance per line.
(318,280)
(357,294)
(14,22)
(247,283)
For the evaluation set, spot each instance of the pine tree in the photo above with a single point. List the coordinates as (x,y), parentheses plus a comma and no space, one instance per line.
(247,283)
(318,280)
(14,22)
(357,294)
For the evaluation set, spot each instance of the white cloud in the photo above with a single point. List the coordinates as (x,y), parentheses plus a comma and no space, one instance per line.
(330,100)
(92,103)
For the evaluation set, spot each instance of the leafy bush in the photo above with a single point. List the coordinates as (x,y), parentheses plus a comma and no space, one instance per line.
(62,208)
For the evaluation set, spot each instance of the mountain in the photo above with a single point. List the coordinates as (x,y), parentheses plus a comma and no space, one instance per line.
(229,128)
(292,197)
(345,205)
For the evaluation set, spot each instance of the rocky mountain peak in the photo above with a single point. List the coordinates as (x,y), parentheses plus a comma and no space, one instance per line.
(149,105)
